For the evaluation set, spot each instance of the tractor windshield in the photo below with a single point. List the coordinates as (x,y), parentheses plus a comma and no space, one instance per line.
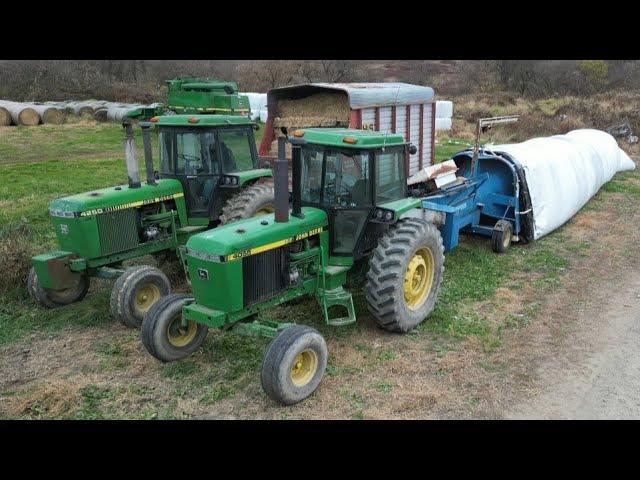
(188,152)
(335,177)
(206,152)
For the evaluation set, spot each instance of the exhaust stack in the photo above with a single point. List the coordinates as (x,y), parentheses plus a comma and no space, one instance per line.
(281,183)
(130,155)
(148,155)
(296,180)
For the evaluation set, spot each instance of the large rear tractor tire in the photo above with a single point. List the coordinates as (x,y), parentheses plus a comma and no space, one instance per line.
(252,201)
(162,332)
(294,364)
(135,292)
(405,272)
(53,298)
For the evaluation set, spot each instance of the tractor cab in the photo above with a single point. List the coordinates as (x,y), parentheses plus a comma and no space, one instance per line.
(356,177)
(211,156)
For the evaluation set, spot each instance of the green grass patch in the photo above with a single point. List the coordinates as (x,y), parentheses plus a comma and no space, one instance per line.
(180,369)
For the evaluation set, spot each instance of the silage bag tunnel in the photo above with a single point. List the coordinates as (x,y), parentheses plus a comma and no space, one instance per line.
(475,204)
(534,186)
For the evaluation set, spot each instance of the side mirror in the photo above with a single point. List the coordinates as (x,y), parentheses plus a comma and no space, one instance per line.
(413,149)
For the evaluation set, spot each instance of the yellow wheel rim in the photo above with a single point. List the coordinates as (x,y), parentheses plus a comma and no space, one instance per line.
(418,278)
(178,335)
(147,295)
(304,367)
(506,238)
(267,209)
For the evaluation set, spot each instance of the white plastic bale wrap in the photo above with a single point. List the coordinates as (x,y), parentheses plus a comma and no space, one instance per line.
(257,101)
(443,124)
(444,109)
(564,171)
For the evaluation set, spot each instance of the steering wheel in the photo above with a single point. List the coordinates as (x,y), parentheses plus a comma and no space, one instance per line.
(189,158)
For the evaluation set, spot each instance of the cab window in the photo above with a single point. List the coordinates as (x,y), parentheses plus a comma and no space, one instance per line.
(390,181)
(236,150)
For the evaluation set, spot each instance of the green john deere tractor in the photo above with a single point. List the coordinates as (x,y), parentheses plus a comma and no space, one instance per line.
(209,175)
(350,205)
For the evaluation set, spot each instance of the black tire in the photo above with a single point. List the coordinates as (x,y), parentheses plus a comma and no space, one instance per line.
(162,317)
(135,292)
(501,236)
(401,250)
(53,298)
(248,202)
(280,378)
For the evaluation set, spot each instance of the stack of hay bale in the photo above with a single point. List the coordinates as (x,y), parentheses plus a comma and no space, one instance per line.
(29,114)
(444,115)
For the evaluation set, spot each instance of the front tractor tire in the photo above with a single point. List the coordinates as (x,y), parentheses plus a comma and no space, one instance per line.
(135,292)
(405,273)
(294,364)
(53,298)
(252,201)
(163,334)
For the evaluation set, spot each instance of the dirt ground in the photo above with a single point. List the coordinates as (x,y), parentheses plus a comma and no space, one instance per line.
(571,353)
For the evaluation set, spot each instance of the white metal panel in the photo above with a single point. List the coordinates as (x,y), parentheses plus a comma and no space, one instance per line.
(385,119)
(426,128)
(368,118)
(414,160)
(400,121)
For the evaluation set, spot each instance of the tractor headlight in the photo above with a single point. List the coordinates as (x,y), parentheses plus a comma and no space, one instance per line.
(382,215)
(227,180)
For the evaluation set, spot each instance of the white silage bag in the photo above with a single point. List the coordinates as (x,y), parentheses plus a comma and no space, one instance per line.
(564,171)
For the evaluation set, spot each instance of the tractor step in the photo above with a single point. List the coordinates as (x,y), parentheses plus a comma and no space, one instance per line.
(337,296)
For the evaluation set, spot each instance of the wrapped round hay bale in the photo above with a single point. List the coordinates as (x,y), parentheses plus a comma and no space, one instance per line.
(100,115)
(5,117)
(50,114)
(82,110)
(21,114)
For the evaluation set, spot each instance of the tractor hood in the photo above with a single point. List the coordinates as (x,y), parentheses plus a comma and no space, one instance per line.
(254,235)
(121,196)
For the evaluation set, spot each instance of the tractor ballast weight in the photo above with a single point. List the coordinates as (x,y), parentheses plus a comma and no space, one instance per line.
(209,175)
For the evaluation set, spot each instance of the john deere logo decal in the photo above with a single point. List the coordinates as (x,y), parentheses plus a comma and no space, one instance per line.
(203,274)
(271,246)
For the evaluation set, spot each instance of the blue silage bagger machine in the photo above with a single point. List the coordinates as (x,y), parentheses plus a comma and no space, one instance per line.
(489,196)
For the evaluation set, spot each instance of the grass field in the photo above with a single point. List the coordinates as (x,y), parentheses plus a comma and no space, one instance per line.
(98,369)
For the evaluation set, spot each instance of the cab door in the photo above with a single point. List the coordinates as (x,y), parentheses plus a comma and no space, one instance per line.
(344,192)
(194,163)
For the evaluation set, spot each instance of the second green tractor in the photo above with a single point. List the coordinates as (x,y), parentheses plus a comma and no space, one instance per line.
(209,175)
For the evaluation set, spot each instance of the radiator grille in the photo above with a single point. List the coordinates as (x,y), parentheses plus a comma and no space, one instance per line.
(118,231)
(264,275)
